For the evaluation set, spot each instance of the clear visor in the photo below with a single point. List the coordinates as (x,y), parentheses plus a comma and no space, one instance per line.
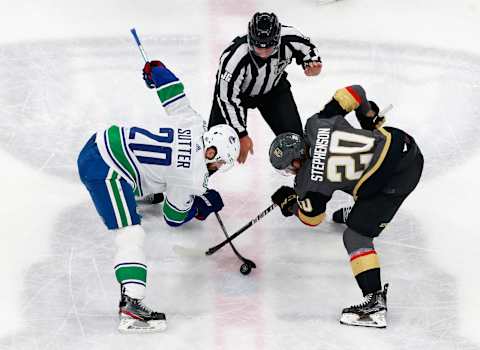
(288,171)
(222,165)
(225,166)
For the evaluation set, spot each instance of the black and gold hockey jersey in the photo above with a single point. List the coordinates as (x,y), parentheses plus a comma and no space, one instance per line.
(341,157)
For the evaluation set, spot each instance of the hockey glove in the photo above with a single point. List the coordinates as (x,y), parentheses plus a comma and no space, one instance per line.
(370,122)
(147,72)
(285,197)
(207,203)
(308,60)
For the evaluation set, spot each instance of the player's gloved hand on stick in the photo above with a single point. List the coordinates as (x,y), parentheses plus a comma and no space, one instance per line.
(207,203)
(285,197)
(147,72)
(371,119)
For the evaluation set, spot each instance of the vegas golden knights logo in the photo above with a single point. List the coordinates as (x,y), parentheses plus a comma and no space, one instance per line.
(278,152)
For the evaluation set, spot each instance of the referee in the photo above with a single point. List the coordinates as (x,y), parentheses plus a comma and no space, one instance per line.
(251,74)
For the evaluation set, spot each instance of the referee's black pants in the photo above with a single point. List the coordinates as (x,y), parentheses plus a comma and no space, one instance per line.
(277,108)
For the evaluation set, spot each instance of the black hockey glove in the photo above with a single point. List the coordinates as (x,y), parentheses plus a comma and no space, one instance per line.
(315,59)
(147,72)
(370,123)
(207,203)
(285,197)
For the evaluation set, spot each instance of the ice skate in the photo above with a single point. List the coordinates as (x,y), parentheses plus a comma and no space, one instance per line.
(371,312)
(152,198)
(135,317)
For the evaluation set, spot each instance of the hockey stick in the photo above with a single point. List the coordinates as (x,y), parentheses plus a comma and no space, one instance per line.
(247,264)
(385,110)
(381,118)
(139,44)
(212,250)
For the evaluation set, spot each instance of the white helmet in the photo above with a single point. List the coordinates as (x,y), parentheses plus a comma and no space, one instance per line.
(225,140)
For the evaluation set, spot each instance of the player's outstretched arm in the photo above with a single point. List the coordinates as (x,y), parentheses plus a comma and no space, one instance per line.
(353,98)
(170,89)
(344,101)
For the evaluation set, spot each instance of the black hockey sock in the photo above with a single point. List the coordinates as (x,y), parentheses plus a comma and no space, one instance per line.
(369,281)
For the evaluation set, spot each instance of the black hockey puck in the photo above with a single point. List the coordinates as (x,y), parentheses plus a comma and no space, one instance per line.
(245,269)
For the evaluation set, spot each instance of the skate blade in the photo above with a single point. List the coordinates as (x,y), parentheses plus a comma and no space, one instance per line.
(133,326)
(376,320)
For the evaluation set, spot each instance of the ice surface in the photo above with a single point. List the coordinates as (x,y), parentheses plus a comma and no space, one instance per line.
(68,71)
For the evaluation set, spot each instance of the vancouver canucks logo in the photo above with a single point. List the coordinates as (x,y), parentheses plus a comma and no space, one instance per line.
(278,152)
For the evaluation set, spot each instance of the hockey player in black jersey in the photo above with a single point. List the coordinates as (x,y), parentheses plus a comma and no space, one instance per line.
(378,166)
(251,74)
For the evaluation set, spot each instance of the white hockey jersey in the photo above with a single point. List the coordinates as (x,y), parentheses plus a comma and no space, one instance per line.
(169,159)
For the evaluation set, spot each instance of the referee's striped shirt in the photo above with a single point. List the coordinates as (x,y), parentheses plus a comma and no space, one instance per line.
(241,73)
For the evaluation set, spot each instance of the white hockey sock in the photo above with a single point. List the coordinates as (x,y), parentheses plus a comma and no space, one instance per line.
(130,265)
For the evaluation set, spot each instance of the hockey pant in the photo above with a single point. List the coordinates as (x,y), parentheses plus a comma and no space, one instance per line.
(114,200)
(369,216)
(277,107)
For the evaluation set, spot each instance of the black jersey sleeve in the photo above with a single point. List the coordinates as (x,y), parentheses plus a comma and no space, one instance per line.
(352,98)
(332,109)
(310,209)
(230,75)
(346,100)
(302,48)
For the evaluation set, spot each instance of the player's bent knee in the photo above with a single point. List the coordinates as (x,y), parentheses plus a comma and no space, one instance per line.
(368,229)
(354,241)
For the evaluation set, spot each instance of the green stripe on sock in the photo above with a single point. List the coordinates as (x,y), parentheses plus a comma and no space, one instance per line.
(115,144)
(118,200)
(173,214)
(169,92)
(125,273)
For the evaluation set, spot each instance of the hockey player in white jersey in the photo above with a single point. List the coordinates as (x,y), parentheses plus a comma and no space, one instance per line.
(120,164)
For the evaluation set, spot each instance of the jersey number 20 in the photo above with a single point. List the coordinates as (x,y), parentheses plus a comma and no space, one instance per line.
(152,152)
(346,150)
